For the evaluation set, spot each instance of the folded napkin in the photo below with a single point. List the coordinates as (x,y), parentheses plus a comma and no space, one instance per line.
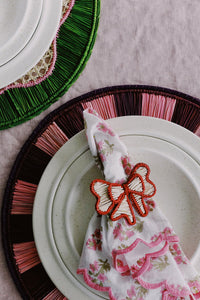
(130,248)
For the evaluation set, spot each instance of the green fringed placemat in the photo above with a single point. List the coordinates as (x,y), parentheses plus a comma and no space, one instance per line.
(74,45)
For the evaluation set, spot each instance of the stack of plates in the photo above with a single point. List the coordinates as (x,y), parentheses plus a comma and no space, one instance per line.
(64,205)
(27,28)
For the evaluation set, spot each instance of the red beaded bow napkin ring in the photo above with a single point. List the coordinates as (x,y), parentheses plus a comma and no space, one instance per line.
(119,199)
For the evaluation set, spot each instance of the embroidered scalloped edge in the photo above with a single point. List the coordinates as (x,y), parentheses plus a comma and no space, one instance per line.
(146,264)
(166,288)
(52,65)
(95,286)
(171,239)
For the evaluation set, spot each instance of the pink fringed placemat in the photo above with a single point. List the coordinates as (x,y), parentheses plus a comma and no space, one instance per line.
(55,130)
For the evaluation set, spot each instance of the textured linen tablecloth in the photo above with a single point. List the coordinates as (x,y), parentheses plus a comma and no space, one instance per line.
(144,42)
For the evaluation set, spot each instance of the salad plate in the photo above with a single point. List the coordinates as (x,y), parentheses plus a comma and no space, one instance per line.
(36,25)
(18,22)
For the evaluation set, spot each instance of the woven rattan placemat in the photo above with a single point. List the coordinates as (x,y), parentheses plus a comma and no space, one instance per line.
(55,130)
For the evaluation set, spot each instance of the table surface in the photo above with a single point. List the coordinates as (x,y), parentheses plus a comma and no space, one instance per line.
(139,42)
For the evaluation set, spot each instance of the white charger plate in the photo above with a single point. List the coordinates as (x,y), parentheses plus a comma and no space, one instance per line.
(36,47)
(18,21)
(64,205)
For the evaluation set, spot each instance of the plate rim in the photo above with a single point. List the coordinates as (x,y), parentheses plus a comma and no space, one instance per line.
(81,134)
(40,40)
(26,36)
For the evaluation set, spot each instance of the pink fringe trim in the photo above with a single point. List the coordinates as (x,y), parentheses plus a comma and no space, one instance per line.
(55,295)
(26,256)
(39,80)
(52,139)
(23,197)
(71,4)
(51,68)
(158,106)
(198,131)
(104,106)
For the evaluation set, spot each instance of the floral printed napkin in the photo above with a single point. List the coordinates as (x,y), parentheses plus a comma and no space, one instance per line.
(140,261)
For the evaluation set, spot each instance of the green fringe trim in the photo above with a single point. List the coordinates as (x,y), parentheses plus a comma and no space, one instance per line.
(74,46)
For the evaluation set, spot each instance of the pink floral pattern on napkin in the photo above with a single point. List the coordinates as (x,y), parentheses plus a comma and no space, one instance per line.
(132,262)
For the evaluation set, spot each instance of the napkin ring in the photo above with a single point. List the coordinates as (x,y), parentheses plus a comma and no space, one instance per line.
(118,200)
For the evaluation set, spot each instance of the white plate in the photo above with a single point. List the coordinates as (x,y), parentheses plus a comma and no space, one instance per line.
(64,205)
(18,21)
(39,43)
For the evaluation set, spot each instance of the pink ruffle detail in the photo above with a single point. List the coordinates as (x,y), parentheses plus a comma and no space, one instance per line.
(166,294)
(146,265)
(147,262)
(95,286)
(32,83)
(125,270)
(167,289)
(71,4)
(51,68)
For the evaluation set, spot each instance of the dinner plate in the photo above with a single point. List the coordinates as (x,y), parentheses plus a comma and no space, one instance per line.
(18,21)
(64,205)
(37,45)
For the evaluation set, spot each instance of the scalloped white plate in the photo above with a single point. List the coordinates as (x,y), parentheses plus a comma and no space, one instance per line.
(37,45)
(64,205)
(18,21)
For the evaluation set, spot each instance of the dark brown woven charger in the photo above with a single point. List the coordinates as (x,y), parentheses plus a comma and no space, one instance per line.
(33,282)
